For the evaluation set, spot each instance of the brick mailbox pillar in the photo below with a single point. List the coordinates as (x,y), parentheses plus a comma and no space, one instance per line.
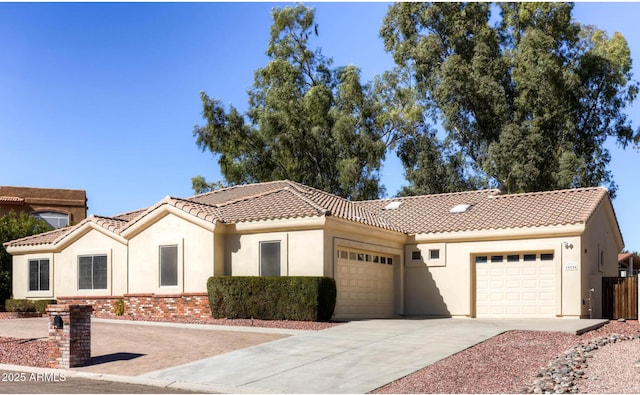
(69,335)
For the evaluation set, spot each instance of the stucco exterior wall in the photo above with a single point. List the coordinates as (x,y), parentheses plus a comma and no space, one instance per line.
(599,250)
(195,256)
(446,287)
(92,243)
(301,252)
(63,269)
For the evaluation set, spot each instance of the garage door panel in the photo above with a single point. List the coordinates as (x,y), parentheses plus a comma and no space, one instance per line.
(367,286)
(515,289)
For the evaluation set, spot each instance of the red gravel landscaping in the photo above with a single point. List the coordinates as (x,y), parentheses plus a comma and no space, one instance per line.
(503,364)
(25,352)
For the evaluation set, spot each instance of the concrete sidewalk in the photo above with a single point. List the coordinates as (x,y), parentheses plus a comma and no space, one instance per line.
(357,357)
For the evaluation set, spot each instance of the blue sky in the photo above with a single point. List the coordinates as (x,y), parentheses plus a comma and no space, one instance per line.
(104,96)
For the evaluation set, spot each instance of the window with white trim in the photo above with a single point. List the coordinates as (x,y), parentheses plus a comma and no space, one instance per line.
(38,274)
(270,258)
(168,265)
(92,272)
(434,254)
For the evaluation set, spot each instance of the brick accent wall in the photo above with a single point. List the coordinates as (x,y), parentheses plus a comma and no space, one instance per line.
(186,305)
(69,346)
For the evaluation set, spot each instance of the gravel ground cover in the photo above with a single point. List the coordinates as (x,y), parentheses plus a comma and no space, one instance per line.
(510,363)
(24,352)
(613,369)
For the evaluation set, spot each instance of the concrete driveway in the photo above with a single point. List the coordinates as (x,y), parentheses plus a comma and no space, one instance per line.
(353,358)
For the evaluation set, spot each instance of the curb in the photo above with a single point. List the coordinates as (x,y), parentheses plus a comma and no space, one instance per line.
(167,384)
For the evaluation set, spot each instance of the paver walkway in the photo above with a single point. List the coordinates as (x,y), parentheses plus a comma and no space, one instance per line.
(132,348)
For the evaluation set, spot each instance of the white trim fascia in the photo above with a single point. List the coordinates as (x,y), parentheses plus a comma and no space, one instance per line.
(24,250)
(161,212)
(277,225)
(502,234)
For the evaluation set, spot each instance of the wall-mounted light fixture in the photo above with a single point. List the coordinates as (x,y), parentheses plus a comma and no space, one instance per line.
(567,245)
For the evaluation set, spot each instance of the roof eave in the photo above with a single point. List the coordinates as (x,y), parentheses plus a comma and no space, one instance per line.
(502,234)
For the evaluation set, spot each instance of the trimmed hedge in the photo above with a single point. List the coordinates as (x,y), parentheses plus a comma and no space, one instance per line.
(272,298)
(28,306)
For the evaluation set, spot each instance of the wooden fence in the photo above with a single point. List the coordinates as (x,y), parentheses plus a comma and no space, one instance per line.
(620,298)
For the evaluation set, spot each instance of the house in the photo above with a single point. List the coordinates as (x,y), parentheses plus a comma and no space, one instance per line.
(58,207)
(467,254)
(628,264)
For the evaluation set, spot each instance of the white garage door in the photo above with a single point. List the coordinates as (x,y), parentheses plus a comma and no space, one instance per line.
(515,285)
(364,280)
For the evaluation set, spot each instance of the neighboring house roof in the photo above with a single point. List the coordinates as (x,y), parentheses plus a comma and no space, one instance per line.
(11,200)
(488,209)
(485,209)
(624,259)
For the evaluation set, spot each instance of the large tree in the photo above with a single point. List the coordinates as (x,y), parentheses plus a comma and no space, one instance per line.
(14,226)
(524,105)
(307,120)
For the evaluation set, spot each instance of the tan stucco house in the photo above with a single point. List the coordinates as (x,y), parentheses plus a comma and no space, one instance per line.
(468,254)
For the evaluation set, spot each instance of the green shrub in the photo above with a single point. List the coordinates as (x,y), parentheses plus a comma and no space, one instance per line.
(19,306)
(41,305)
(28,306)
(272,298)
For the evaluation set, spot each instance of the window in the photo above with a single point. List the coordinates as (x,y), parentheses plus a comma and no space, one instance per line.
(481,259)
(416,255)
(92,272)
(270,258)
(460,208)
(56,220)
(513,258)
(38,275)
(546,257)
(168,266)
(529,257)
(434,254)
(392,206)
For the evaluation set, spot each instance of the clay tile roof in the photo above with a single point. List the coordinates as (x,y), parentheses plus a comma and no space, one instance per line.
(112,224)
(203,211)
(40,239)
(285,199)
(490,210)
(237,192)
(486,209)
(129,215)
